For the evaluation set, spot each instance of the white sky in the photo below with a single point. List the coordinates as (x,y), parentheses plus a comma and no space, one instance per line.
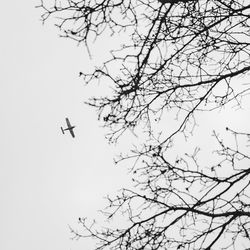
(48,180)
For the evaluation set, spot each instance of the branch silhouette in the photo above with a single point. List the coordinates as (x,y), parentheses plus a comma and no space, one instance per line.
(182,57)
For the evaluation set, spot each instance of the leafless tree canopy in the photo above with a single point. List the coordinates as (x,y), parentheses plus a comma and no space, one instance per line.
(181,56)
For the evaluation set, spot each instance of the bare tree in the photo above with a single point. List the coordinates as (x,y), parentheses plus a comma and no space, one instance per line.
(182,205)
(181,56)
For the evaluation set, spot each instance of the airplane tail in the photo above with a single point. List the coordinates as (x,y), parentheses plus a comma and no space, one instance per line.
(62,130)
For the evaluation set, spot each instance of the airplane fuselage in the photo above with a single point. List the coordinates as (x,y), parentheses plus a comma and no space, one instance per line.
(69,128)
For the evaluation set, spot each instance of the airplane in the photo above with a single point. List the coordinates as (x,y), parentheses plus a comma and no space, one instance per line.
(69,127)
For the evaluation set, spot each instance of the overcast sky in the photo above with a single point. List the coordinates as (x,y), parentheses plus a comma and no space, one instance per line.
(48,180)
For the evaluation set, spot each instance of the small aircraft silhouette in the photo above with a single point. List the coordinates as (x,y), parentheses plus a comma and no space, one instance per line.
(69,127)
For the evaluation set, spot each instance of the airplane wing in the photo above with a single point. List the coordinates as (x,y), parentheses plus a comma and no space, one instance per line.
(72,132)
(68,123)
